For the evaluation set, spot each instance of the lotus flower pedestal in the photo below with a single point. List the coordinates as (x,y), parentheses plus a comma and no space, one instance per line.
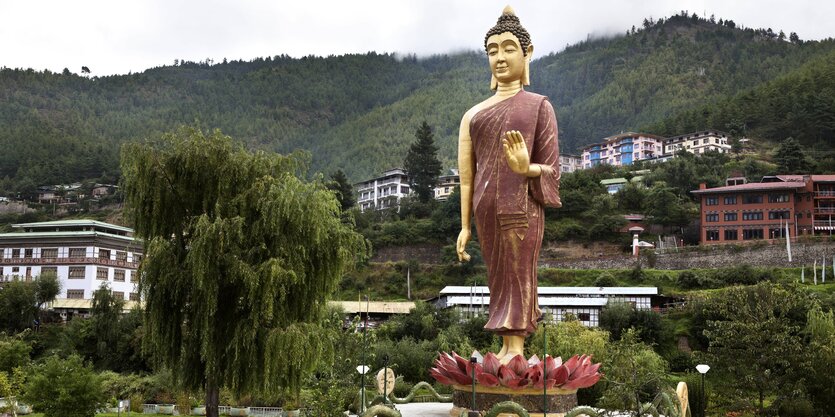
(524,382)
(560,401)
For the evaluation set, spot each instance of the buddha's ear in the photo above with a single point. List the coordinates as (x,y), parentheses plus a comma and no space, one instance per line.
(494,83)
(526,76)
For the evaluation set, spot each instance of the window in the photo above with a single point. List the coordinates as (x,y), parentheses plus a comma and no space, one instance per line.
(121,256)
(27,253)
(137,258)
(731,235)
(49,270)
(752,199)
(711,235)
(119,295)
(77,272)
(75,294)
(104,253)
(711,201)
(730,217)
(134,277)
(134,296)
(49,253)
(730,200)
(119,275)
(778,198)
(776,233)
(750,234)
(754,215)
(78,252)
(15,270)
(583,316)
(15,253)
(712,217)
(774,215)
(101,273)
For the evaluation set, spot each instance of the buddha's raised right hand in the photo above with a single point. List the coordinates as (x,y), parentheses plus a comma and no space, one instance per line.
(461,245)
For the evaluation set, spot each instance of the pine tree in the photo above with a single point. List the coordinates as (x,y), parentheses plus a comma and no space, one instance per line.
(344,191)
(790,158)
(422,164)
(241,255)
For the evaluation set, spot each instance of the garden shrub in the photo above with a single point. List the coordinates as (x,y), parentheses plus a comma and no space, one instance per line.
(605,279)
(64,388)
(796,407)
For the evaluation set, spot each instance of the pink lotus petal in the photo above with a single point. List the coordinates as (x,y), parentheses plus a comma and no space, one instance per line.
(518,365)
(579,371)
(583,382)
(518,383)
(534,374)
(505,375)
(435,373)
(559,376)
(552,364)
(491,364)
(551,383)
(447,369)
(487,380)
(462,379)
(593,369)
(572,363)
(463,364)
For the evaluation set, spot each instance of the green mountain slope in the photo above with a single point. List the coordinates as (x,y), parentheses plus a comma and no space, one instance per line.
(359,112)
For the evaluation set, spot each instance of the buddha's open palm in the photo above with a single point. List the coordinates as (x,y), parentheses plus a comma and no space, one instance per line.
(516,152)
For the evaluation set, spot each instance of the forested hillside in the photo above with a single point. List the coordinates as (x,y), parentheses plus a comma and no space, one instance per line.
(359,112)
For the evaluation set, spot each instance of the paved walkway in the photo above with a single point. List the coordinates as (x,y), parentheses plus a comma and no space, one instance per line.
(425,409)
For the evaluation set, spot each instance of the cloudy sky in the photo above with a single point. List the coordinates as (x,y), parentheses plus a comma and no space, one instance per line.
(118,36)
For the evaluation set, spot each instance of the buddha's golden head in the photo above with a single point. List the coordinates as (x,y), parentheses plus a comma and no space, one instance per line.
(509,50)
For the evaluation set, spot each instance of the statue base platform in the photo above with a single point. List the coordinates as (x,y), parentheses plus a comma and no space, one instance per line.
(560,401)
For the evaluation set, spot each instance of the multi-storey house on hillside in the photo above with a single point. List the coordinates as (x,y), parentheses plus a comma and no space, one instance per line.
(384,191)
(698,142)
(84,254)
(622,149)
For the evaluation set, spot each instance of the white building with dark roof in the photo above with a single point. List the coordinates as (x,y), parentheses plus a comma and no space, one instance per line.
(583,303)
(384,191)
(84,254)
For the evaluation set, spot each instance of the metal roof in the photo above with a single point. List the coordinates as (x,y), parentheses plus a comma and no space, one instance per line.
(77,222)
(752,186)
(543,301)
(84,233)
(463,290)
(84,304)
(379,307)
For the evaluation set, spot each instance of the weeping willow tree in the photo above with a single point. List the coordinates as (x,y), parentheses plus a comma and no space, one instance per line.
(241,255)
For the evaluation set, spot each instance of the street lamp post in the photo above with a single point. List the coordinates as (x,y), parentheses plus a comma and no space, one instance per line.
(702,368)
(364,348)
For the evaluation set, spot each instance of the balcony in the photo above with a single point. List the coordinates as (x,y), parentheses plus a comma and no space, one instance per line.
(825,194)
(68,261)
(825,211)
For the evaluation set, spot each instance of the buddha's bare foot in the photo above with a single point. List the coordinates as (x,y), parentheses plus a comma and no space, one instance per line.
(503,352)
(515,346)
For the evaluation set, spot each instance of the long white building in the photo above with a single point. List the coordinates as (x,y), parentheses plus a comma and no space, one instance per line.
(584,303)
(84,254)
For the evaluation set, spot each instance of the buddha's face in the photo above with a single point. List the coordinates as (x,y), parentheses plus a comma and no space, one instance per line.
(507,61)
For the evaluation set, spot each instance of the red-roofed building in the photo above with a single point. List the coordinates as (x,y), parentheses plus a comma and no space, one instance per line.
(761,210)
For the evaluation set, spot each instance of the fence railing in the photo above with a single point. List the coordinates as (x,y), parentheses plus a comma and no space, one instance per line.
(223,410)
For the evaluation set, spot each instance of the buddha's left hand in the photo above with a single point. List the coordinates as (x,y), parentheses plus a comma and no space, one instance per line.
(516,152)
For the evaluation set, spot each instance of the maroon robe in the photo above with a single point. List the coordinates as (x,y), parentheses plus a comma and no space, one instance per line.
(509,207)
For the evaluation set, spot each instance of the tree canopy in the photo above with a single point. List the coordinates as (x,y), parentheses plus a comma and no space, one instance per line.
(241,255)
(422,164)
